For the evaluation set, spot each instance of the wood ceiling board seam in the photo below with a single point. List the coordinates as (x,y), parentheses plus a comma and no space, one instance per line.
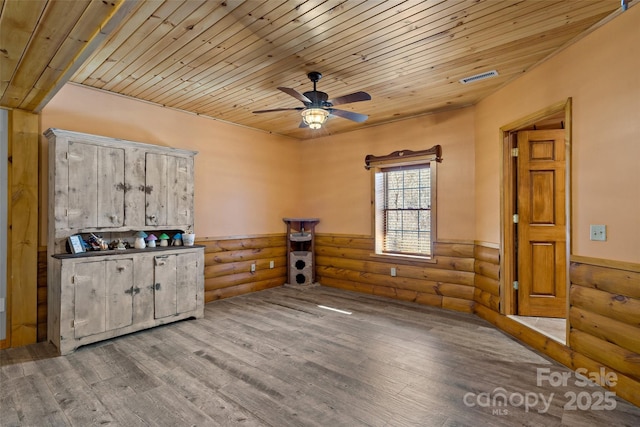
(326,85)
(153,62)
(41,49)
(259,62)
(87,27)
(397,52)
(368,79)
(198,49)
(138,65)
(301,28)
(16,26)
(138,48)
(286,59)
(328,88)
(103,72)
(470,58)
(144,10)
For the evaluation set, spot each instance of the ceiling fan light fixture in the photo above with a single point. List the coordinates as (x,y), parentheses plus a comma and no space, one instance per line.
(315,117)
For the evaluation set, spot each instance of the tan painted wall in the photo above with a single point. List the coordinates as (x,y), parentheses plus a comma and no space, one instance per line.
(337,188)
(601,74)
(245,180)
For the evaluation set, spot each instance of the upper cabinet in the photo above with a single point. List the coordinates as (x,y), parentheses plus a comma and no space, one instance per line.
(96,187)
(106,184)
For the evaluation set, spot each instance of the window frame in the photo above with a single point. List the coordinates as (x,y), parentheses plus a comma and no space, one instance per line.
(403,159)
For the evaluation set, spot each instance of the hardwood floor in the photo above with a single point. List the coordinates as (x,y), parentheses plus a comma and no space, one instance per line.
(275,358)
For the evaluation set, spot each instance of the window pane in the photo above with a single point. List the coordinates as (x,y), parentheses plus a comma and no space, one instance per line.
(394,220)
(412,198)
(410,220)
(406,209)
(394,199)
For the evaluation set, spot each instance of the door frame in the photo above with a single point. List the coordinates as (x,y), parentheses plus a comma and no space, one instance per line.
(508,260)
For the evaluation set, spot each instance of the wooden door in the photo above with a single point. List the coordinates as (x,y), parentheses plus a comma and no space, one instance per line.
(187,282)
(156,189)
(96,186)
(90,295)
(180,190)
(541,223)
(164,287)
(82,211)
(119,294)
(110,171)
(169,187)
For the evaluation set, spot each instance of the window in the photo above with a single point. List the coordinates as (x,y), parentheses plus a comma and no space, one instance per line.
(404,203)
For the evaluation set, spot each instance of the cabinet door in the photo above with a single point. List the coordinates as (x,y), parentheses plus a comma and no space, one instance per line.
(96,186)
(175,287)
(119,295)
(187,275)
(169,190)
(90,298)
(103,297)
(164,295)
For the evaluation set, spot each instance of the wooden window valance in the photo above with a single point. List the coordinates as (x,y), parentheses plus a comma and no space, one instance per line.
(402,155)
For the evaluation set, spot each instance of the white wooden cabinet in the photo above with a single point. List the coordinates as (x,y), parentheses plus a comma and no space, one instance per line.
(111,186)
(103,184)
(104,296)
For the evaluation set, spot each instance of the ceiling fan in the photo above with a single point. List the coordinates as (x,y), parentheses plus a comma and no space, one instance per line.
(318,107)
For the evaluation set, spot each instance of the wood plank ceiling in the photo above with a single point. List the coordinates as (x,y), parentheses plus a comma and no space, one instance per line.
(225,59)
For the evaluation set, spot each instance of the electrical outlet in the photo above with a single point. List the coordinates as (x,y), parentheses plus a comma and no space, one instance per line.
(598,232)
(253,268)
(393,272)
(272,264)
(2,308)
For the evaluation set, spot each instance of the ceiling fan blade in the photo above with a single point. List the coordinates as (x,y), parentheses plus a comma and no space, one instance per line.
(356,117)
(297,95)
(278,109)
(353,97)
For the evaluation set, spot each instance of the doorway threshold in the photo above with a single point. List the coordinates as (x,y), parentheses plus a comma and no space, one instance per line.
(553,328)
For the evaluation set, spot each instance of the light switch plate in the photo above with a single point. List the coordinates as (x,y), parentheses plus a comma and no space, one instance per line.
(598,232)
(393,272)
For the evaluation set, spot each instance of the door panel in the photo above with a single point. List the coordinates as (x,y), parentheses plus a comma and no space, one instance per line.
(110,171)
(83,185)
(187,282)
(119,311)
(542,223)
(164,294)
(156,189)
(89,302)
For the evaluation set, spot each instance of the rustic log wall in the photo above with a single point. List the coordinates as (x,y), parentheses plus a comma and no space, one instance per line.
(227,265)
(346,262)
(604,314)
(487,279)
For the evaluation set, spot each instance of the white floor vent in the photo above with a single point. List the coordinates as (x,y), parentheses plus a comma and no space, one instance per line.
(481,76)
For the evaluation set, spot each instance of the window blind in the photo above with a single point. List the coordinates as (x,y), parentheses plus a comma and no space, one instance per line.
(403,209)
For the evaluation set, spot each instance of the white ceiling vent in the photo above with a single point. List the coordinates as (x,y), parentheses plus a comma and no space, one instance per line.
(481,76)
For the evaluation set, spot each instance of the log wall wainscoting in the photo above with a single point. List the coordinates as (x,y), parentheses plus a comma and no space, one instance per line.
(487,279)
(604,318)
(227,265)
(347,262)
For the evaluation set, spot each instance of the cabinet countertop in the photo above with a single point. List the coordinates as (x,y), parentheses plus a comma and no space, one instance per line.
(110,252)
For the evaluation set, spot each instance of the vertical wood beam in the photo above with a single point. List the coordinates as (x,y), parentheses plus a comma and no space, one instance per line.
(22,243)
